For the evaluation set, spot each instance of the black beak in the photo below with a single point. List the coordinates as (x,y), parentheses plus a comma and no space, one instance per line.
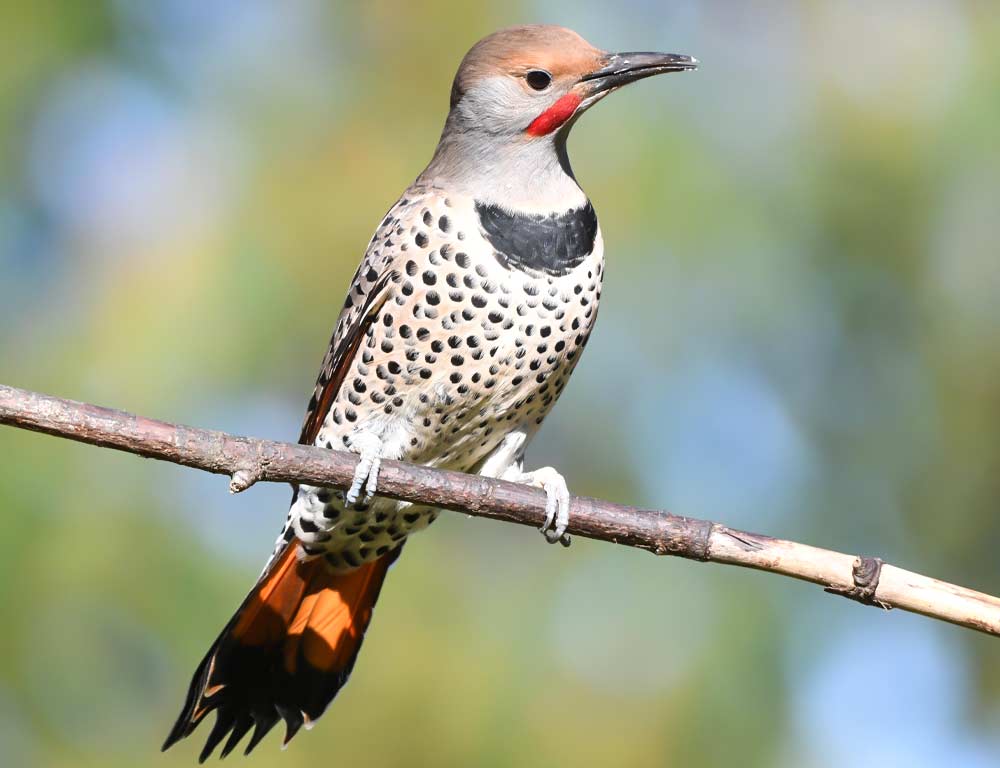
(623,68)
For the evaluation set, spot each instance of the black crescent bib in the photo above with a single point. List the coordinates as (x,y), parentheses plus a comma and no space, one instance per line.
(553,244)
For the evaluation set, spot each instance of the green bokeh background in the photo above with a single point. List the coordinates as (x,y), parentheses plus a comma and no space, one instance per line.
(799,335)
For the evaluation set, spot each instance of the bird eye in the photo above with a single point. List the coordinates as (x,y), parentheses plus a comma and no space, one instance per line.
(538,79)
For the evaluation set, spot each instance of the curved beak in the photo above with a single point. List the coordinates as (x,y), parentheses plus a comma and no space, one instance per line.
(618,69)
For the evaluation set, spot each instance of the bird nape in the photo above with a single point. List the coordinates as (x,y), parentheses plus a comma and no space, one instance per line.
(463,323)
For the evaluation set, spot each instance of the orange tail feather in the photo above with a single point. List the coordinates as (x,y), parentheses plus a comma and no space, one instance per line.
(285,653)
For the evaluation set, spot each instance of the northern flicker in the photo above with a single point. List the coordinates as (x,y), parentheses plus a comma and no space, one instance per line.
(468,313)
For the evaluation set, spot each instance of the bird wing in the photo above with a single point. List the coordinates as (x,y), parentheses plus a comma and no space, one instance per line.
(368,297)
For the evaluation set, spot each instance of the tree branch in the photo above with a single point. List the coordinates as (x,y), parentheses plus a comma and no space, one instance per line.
(248,460)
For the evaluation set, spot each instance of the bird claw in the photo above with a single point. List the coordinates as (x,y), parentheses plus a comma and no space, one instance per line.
(369,448)
(556,503)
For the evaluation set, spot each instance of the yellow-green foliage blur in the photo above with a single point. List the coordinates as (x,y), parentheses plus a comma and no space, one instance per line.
(799,335)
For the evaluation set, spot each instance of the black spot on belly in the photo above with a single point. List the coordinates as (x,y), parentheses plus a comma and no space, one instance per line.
(552,244)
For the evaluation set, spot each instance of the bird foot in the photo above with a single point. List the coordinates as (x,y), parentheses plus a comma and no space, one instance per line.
(556,502)
(369,447)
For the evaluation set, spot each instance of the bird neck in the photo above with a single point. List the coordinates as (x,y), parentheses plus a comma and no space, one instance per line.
(519,173)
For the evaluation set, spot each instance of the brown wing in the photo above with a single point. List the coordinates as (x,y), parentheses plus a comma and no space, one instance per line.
(347,337)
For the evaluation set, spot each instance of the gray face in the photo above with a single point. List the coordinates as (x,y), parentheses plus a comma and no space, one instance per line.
(505,105)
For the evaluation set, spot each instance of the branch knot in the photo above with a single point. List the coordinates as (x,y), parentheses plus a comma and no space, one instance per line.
(244,477)
(865,573)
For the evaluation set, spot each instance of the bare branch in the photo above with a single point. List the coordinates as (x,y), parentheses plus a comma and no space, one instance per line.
(248,460)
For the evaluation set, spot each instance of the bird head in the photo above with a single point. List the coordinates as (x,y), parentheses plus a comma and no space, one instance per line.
(515,96)
(531,81)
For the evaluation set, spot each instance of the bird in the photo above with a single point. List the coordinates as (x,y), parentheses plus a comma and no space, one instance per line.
(469,311)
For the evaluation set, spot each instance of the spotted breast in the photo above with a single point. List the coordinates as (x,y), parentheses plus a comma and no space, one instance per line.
(483,317)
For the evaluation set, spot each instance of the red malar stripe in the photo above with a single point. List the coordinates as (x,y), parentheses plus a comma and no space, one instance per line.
(555,115)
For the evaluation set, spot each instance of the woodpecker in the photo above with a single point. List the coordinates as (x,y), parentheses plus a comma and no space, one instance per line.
(469,311)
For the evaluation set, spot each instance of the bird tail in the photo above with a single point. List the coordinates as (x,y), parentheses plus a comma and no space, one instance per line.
(285,653)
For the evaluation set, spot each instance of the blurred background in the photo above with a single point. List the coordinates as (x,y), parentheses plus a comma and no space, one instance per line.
(803,276)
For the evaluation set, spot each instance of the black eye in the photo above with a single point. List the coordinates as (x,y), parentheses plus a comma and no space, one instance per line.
(538,79)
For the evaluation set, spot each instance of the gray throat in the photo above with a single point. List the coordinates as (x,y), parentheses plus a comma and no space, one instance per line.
(516,172)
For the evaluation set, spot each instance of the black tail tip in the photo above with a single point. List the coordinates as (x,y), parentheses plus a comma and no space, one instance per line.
(233,725)
(176,734)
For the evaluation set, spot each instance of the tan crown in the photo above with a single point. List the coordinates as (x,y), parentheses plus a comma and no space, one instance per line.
(515,50)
